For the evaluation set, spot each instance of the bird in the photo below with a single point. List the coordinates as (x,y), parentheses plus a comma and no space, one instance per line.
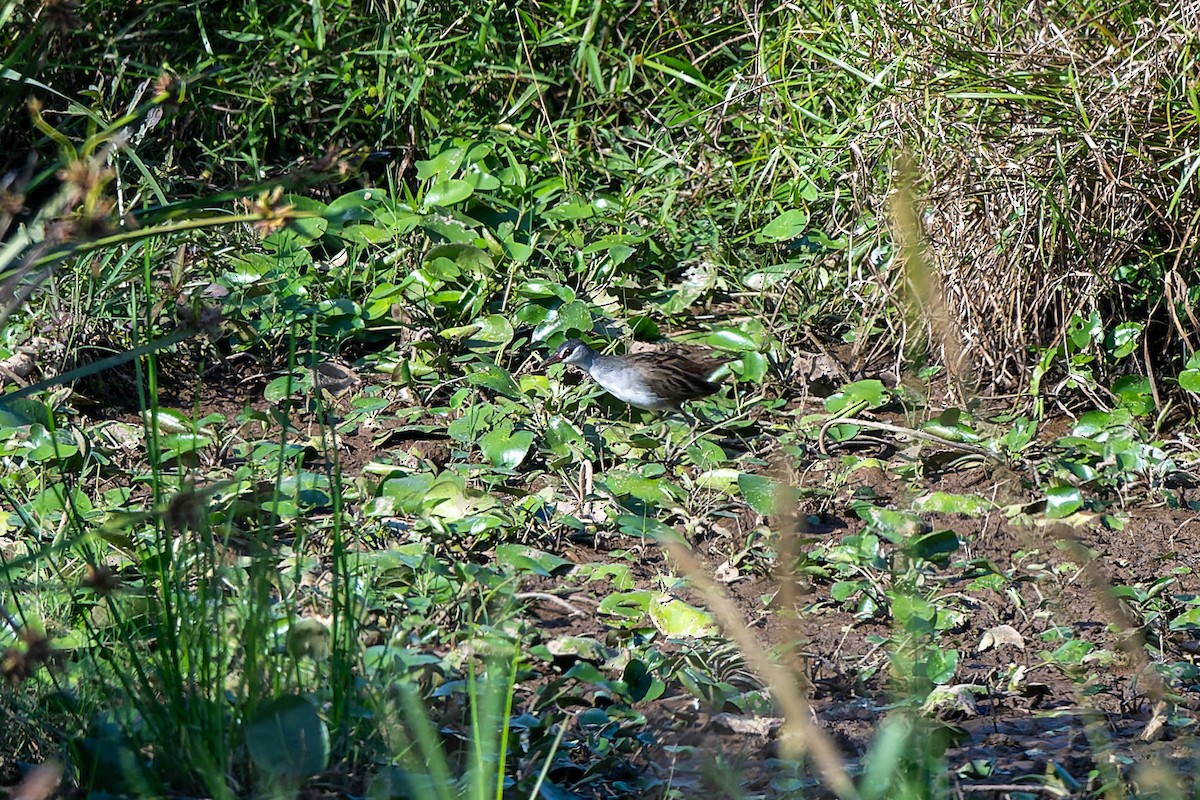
(660,380)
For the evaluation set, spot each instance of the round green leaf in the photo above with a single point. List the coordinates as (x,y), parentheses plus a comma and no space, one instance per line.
(288,739)
(504,449)
(1063,501)
(759,492)
(448,193)
(678,620)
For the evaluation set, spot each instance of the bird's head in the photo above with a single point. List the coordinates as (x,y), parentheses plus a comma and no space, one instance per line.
(572,351)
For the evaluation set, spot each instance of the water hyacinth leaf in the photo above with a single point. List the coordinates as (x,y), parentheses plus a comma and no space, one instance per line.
(39,444)
(287,386)
(569,318)
(1063,501)
(751,367)
(652,491)
(531,560)
(1123,339)
(356,206)
(462,255)
(721,480)
(940,665)
(379,303)
(583,648)
(707,454)
(495,378)
(541,289)
(759,492)
(448,192)
(731,339)
(894,525)
(302,231)
(787,226)
(504,448)
(1188,620)
(492,332)
(24,411)
(678,620)
(1134,393)
(1189,379)
(561,435)
(844,590)
(168,420)
(570,211)
(951,426)
(935,546)
(947,503)
(288,739)
(842,432)
(517,251)
(630,605)
(869,393)
(646,528)
(444,163)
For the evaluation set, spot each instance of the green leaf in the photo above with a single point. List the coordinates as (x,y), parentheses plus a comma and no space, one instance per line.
(504,449)
(474,260)
(288,739)
(731,339)
(446,162)
(653,491)
(896,526)
(787,226)
(678,620)
(1063,501)
(844,590)
(1134,393)
(448,192)
(356,206)
(721,480)
(23,411)
(1123,339)
(1189,379)
(935,546)
(628,605)
(531,560)
(759,492)
(940,665)
(495,378)
(862,394)
(646,528)
(303,231)
(950,425)
(946,503)
(572,317)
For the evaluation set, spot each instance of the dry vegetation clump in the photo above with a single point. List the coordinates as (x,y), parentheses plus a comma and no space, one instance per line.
(1050,147)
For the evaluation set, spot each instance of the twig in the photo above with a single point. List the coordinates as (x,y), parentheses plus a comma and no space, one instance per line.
(550,598)
(901,431)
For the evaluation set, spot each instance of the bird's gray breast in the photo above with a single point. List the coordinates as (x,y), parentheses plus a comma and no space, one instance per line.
(629,386)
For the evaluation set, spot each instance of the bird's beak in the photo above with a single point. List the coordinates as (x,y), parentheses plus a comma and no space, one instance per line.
(554,359)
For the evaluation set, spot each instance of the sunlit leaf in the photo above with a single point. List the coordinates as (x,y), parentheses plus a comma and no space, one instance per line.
(678,620)
(788,225)
(448,192)
(531,560)
(759,492)
(505,449)
(1063,501)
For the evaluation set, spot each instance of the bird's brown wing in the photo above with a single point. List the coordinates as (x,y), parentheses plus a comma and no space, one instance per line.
(675,376)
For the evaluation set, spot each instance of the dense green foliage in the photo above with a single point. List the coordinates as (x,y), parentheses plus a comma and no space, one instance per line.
(279,468)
